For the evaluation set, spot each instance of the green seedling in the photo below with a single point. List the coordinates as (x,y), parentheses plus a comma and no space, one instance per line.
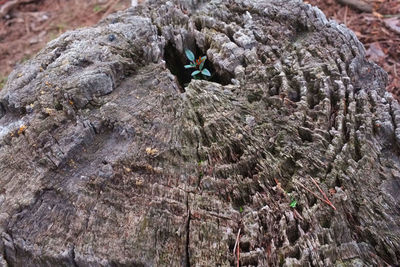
(197,64)
(293,203)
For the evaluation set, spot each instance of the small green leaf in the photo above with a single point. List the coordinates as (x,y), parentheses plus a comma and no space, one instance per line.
(189,66)
(189,55)
(201,65)
(293,203)
(240,209)
(194,73)
(206,72)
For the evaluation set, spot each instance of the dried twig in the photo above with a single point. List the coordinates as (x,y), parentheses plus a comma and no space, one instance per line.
(357,4)
(323,193)
(236,248)
(7,6)
(325,199)
(391,16)
(297,214)
(238,256)
(236,243)
(278,184)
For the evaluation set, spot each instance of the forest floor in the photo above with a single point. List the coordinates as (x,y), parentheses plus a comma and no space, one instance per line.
(27,26)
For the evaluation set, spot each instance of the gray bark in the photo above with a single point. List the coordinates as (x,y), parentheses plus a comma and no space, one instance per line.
(111,156)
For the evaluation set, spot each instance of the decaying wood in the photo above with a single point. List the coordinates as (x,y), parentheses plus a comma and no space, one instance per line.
(112,155)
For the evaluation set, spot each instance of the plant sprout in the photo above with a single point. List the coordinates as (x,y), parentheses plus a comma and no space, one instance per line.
(293,203)
(197,64)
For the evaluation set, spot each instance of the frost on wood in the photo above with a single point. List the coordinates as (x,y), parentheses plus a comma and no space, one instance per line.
(110,155)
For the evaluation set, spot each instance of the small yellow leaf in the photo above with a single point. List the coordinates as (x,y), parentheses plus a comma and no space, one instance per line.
(376,14)
(49,111)
(151,151)
(21,129)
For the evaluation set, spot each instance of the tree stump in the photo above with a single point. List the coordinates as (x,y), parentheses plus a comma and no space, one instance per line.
(111,155)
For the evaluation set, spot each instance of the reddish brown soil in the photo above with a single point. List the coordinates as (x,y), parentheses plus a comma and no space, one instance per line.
(28,27)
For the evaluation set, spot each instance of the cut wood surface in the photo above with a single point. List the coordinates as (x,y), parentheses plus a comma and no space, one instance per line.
(111,155)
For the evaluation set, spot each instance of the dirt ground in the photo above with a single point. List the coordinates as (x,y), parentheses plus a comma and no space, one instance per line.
(29,25)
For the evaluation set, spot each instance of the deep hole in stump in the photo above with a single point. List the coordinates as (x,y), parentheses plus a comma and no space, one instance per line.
(292,233)
(175,63)
(176,60)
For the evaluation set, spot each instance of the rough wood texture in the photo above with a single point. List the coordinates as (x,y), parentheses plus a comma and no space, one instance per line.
(109,156)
